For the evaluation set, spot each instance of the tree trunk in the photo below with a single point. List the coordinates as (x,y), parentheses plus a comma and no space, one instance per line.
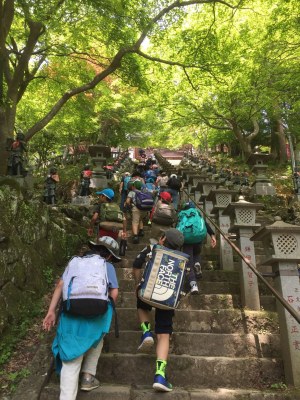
(244,142)
(4,135)
(278,141)
(274,140)
(281,142)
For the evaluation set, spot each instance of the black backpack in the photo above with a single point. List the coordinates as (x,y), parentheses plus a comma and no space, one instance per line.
(174,183)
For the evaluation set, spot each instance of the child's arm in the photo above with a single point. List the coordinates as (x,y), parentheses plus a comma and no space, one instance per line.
(113,293)
(50,318)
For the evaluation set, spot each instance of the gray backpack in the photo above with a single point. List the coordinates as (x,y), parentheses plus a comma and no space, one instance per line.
(85,286)
(164,214)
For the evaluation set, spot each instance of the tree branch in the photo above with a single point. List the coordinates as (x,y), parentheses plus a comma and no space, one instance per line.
(116,61)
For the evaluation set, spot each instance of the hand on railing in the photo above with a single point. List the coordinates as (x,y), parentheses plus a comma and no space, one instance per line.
(213,241)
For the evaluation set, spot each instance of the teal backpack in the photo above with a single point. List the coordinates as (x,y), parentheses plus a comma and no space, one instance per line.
(192,225)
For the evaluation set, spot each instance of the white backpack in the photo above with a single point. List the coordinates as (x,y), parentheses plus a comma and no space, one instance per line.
(85,287)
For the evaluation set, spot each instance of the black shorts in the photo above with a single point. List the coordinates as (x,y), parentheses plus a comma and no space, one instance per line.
(163,318)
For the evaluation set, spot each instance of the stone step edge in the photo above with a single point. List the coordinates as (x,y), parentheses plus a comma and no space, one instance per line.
(138,330)
(243,312)
(188,356)
(131,392)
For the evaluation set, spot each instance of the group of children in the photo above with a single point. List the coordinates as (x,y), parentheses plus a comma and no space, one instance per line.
(75,356)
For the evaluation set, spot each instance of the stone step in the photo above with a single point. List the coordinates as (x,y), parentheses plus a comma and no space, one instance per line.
(203,344)
(126,392)
(192,371)
(203,301)
(204,287)
(200,302)
(207,321)
(207,276)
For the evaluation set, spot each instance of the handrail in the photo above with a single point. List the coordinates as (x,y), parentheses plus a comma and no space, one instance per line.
(285,304)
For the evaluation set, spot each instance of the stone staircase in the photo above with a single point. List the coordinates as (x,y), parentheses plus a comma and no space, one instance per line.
(218,350)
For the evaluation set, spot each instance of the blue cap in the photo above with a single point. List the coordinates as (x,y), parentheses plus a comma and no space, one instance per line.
(109,193)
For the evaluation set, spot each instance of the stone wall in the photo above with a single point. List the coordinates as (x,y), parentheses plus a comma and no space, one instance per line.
(35,242)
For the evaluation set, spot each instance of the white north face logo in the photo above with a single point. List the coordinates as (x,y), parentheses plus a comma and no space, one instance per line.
(165,283)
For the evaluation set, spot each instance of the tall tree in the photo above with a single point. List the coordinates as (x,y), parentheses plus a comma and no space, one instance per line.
(33,32)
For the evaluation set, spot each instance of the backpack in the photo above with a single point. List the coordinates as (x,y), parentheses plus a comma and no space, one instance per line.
(174,183)
(111,216)
(85,286)
(163,278)
(192,225)
(150,174)
(144,200)
(125,182)
(164,214)
(150,187)
(163,181)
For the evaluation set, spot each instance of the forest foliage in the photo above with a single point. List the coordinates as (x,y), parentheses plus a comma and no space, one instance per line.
(150,73)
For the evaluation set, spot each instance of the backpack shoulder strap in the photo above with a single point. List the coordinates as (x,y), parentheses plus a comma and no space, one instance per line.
(117,333)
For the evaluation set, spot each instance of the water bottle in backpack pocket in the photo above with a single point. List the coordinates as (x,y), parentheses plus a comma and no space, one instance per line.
(122,247)
(85,286)
(192,225)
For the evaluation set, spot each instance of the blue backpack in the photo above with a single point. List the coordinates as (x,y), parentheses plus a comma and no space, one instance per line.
(192,225)
(125,182)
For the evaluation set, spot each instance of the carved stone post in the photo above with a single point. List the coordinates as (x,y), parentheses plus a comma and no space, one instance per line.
(220,199)
(282,242)
(243,216)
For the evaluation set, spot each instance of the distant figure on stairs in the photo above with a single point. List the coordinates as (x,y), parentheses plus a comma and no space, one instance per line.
(50,186)
(85,181)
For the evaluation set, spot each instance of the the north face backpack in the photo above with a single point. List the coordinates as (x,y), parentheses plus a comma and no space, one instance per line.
(111,216)
(164,214)
(163,278)
(144,200)
(192,225)
(85,287)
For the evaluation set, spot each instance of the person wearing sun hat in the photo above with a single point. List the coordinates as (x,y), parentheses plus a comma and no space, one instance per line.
(105,196)
(107,243)
(79,338)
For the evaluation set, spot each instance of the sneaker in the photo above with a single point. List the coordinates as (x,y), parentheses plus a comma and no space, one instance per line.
(88,384)
(161,384)
(141,233)
(198,270)
(194,287)
(147,342)
(135,239)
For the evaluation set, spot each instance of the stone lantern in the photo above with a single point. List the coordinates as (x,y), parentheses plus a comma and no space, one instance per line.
(243,216)
(282,241)
(262,185)
(194,188)
(99,154)
(220,199)
(204,187)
